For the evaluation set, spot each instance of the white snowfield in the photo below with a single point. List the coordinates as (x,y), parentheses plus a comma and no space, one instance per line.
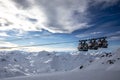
(74,75)
(105,68)
(18,63)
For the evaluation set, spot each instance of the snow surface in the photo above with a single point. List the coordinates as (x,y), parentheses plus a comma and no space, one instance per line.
(19,63)
(74,75)
(59,66)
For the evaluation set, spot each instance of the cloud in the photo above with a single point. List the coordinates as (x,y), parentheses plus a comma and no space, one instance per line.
(34,49)
(114,36)
(31,43)
(57,16)
(61,16)
(25,3)
(105,3)
(7,44)
(11,17)
(17,17)
(85,35)
(3,34)
(64,16)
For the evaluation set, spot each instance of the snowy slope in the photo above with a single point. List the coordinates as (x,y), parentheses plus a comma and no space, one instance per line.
(79,75)
(5,73)
(26,63)
(105,68)
(23,62)
(66,62)
(107,61)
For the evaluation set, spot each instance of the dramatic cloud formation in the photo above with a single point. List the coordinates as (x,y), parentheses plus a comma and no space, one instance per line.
(26,18)
(56,16)
(12,17)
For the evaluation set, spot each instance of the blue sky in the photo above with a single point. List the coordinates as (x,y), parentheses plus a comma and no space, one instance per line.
(32,22)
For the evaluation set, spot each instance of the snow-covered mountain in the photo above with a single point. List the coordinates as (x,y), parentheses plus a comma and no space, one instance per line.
(29,63)
(106,62)
(20,63)
(104,68)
